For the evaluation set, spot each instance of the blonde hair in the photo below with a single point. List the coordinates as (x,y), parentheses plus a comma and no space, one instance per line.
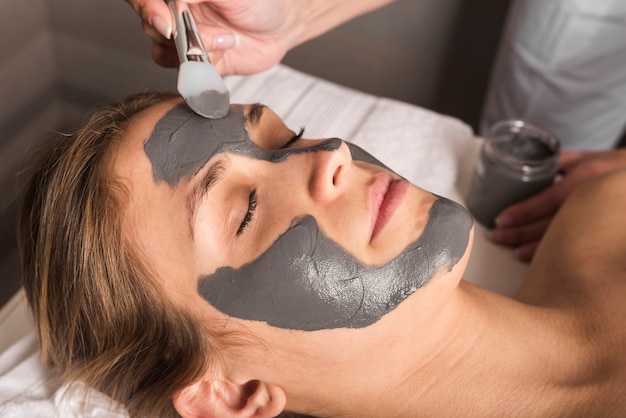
(99,316)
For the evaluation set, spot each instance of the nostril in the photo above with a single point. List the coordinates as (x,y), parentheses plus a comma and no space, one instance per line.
(336,175)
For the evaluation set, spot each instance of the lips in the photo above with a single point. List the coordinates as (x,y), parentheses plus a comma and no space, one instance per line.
(386,196)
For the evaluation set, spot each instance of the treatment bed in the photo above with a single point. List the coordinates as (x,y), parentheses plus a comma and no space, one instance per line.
(434,151)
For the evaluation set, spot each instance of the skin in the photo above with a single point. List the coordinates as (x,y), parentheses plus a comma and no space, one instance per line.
(449,349)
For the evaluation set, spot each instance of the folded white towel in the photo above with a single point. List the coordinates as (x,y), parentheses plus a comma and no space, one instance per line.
(78,401)
(424,147)
(26,387)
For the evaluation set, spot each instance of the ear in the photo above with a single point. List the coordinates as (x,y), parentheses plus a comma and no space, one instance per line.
(224,399)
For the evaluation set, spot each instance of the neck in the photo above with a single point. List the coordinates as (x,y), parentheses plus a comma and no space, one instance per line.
(501,358)
(491,356)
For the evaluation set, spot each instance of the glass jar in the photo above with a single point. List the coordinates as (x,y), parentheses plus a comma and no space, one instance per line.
(517,160)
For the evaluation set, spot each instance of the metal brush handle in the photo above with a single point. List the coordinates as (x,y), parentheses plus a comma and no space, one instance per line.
(195,47)
(186,36)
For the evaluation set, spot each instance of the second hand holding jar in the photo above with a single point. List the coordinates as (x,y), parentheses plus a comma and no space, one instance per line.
(516,161)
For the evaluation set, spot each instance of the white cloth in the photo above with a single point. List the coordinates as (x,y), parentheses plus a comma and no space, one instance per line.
(562,66)
(27,389)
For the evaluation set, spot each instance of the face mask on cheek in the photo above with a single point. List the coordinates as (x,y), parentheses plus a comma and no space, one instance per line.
(305,281)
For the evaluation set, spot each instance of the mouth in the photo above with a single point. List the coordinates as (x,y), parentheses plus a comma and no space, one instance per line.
(386,196)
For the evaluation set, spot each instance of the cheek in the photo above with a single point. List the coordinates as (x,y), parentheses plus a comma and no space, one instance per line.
(210,250)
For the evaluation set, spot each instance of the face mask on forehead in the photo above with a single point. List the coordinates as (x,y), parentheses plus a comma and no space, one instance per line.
(304,281)
(182,143)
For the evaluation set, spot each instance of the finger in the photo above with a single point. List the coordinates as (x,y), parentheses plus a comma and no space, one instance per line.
(547,202)
(156,13)
(543,204)
(218,38)
(568,158)
(156,36)
(526,251)
(596,162)
(519,235)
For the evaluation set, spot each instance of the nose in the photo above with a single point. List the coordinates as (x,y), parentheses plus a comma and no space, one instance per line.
(329,172)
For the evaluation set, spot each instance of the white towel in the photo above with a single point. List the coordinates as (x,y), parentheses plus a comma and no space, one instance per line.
(26,387)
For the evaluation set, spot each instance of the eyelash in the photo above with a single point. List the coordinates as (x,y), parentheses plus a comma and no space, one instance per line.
(252,204)
(253,199)
(295,138)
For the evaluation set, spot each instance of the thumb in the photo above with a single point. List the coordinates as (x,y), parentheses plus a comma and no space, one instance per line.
(541,205)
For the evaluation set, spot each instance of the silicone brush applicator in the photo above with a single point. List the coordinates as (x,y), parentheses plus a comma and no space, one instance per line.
(199,83)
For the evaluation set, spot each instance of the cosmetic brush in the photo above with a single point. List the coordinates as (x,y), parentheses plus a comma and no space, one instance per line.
(199,83)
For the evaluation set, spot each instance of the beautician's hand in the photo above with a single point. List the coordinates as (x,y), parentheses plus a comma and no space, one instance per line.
(242,36)
(524,223)
(247,36)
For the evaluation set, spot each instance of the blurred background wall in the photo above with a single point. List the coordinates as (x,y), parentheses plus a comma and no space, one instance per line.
(60,58)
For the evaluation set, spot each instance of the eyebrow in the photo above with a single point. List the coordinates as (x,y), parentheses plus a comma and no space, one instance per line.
(212,177)
(253,117)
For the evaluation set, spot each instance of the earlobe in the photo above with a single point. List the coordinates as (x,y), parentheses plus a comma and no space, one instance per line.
(223,399)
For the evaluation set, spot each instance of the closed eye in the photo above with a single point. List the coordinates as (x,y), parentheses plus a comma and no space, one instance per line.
(294,138)
(252,204)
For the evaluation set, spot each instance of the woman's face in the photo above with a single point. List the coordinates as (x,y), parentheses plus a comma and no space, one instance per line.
(243,220)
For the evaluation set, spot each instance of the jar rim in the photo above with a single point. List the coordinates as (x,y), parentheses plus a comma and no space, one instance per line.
(502,130)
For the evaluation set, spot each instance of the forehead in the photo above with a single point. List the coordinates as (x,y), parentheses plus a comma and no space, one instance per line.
(130,154)
(182,142)
(178,142)
(171,142)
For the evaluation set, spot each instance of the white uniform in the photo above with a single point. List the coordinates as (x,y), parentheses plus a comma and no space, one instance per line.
(562,66)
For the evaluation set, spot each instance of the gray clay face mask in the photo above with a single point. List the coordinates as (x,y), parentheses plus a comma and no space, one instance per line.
(304,281)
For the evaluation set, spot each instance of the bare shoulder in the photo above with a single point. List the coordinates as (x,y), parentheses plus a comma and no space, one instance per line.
(592,222)
(583,253)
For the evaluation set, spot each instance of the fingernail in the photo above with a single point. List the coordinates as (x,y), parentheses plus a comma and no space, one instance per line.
(224,42)
(161,26)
